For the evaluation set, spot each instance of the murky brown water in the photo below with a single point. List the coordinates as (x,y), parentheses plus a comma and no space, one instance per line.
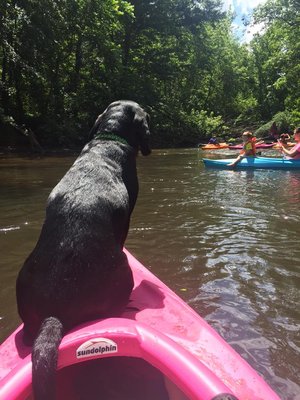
(225,241)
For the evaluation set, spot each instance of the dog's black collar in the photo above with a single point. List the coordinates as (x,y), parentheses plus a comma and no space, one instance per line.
(111,136)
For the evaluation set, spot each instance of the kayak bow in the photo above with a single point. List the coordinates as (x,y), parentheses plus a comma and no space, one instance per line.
(158,332)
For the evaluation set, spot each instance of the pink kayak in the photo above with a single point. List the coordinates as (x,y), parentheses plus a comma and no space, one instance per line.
(159,349)
(258,146)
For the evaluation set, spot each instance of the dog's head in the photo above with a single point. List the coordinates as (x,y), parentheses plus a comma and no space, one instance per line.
(127,120)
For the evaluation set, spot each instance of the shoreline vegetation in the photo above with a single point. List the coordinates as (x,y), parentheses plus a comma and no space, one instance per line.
(62,63)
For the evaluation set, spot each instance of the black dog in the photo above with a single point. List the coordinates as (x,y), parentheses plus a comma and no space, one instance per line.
(78,271)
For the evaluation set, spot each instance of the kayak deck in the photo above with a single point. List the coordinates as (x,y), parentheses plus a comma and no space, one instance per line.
(158,330)
(254,163)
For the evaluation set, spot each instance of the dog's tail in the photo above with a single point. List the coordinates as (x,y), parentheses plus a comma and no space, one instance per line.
(44,358)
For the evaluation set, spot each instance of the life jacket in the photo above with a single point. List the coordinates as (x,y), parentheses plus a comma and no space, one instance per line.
(246,148)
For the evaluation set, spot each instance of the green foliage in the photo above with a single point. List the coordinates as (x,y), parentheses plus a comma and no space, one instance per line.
(276,54)
(295,118)
(63,61)
(283,122)
(207,123)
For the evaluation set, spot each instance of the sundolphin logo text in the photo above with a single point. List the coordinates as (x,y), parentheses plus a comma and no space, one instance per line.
(96,347)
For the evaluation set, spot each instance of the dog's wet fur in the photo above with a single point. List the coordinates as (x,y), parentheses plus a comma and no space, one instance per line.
(78,271)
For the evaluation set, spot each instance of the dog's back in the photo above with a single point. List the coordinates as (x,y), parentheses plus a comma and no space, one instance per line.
(78,271)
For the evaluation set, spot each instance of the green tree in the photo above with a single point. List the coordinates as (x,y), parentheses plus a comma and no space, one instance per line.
(276,53)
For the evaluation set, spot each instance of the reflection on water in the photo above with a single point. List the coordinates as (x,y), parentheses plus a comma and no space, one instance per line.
(225,241)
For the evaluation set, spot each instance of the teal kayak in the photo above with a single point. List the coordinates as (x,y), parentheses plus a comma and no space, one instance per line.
(254,163)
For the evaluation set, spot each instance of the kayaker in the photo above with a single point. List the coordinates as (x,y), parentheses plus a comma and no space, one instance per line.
(294,152)
(284,138)
(213,140)
(248,148)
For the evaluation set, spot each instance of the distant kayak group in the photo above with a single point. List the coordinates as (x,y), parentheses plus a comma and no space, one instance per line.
(247,157)
(224,145)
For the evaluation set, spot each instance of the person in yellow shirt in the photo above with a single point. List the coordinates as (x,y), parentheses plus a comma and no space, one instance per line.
(248,150)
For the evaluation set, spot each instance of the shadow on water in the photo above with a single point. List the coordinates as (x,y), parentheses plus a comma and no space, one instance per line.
(225,241)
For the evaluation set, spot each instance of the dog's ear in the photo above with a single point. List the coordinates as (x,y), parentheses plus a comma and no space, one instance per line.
(141,123)
(94,129)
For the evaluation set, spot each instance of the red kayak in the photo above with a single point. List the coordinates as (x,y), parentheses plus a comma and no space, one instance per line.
(159,349)
(259,146)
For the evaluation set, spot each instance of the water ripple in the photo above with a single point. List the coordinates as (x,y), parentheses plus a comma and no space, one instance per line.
(226,241)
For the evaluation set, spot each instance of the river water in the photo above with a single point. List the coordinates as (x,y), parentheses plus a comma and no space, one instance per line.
(225,241)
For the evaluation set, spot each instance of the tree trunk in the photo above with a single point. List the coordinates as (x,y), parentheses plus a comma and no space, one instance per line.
(3,92)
